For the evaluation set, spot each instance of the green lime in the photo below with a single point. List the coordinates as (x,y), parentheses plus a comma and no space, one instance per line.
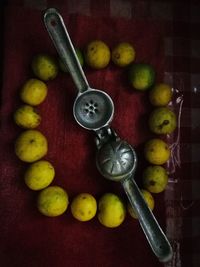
(141,76)
(80,58)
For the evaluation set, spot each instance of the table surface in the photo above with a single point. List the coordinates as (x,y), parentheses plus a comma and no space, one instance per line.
(182,54)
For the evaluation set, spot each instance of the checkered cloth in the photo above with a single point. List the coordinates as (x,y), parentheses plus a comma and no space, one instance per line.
(181,21)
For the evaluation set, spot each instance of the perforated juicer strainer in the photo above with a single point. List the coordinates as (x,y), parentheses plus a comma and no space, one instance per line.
(116,160)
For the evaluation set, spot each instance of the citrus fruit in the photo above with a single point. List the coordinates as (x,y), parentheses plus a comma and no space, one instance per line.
(33,92)
(156,151)
(80,58)
(39,175)
(141,76)
(123,54)
(27,117)
(84,207)
(160,95)
(97,54)
(111,210)
(149,200)
(155,179)
(31,145)
(52,201)
(45,67)
(162,120)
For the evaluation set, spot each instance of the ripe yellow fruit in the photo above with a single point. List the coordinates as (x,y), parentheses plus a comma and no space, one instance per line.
(31,145)
(156,151)
(39,175)
(45,67)
(162,120)
(52,201)
(27,117)
(123,54)
(155,179)
(33,92)
(84,207)
(111,210)
(97,54)
(160,95)
(149,200)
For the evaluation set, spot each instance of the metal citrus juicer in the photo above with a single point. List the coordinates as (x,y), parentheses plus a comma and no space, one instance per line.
(116,160)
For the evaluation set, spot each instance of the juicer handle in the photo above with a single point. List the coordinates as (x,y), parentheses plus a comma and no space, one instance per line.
(153,232)
(62,42)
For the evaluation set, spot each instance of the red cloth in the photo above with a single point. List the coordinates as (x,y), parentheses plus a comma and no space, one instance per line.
(27,237)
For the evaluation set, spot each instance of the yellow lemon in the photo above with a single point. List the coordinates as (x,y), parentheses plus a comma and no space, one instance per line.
(31,145)
(149,200)
(27,117)
(39,175)
(160,95)
(84,207)
(155,179)
(123,54)
(45,67)
(141,76)
(33,92)
(52,201)
(111,210)
(156,151)
(162,120)
(97,54)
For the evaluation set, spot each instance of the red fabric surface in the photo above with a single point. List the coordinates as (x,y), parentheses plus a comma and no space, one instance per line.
(27,237)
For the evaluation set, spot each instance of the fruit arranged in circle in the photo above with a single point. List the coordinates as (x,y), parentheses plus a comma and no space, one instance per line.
(141,76)
(97,54)
(123,54)
(84,207)
(52,201)
(160,95)
(111,210)
(162,121)
(39,175)
(155,179)
(27,117)
(33,92)
(45,67)
(31,145)
(156,151)
(149,200)
(80,58)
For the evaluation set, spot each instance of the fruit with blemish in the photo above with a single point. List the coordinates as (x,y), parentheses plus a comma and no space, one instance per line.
(27,117)
(162,120)
(97,54)
(31,145)
(84,207)
(123,54)
(155,179)
(156,151)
